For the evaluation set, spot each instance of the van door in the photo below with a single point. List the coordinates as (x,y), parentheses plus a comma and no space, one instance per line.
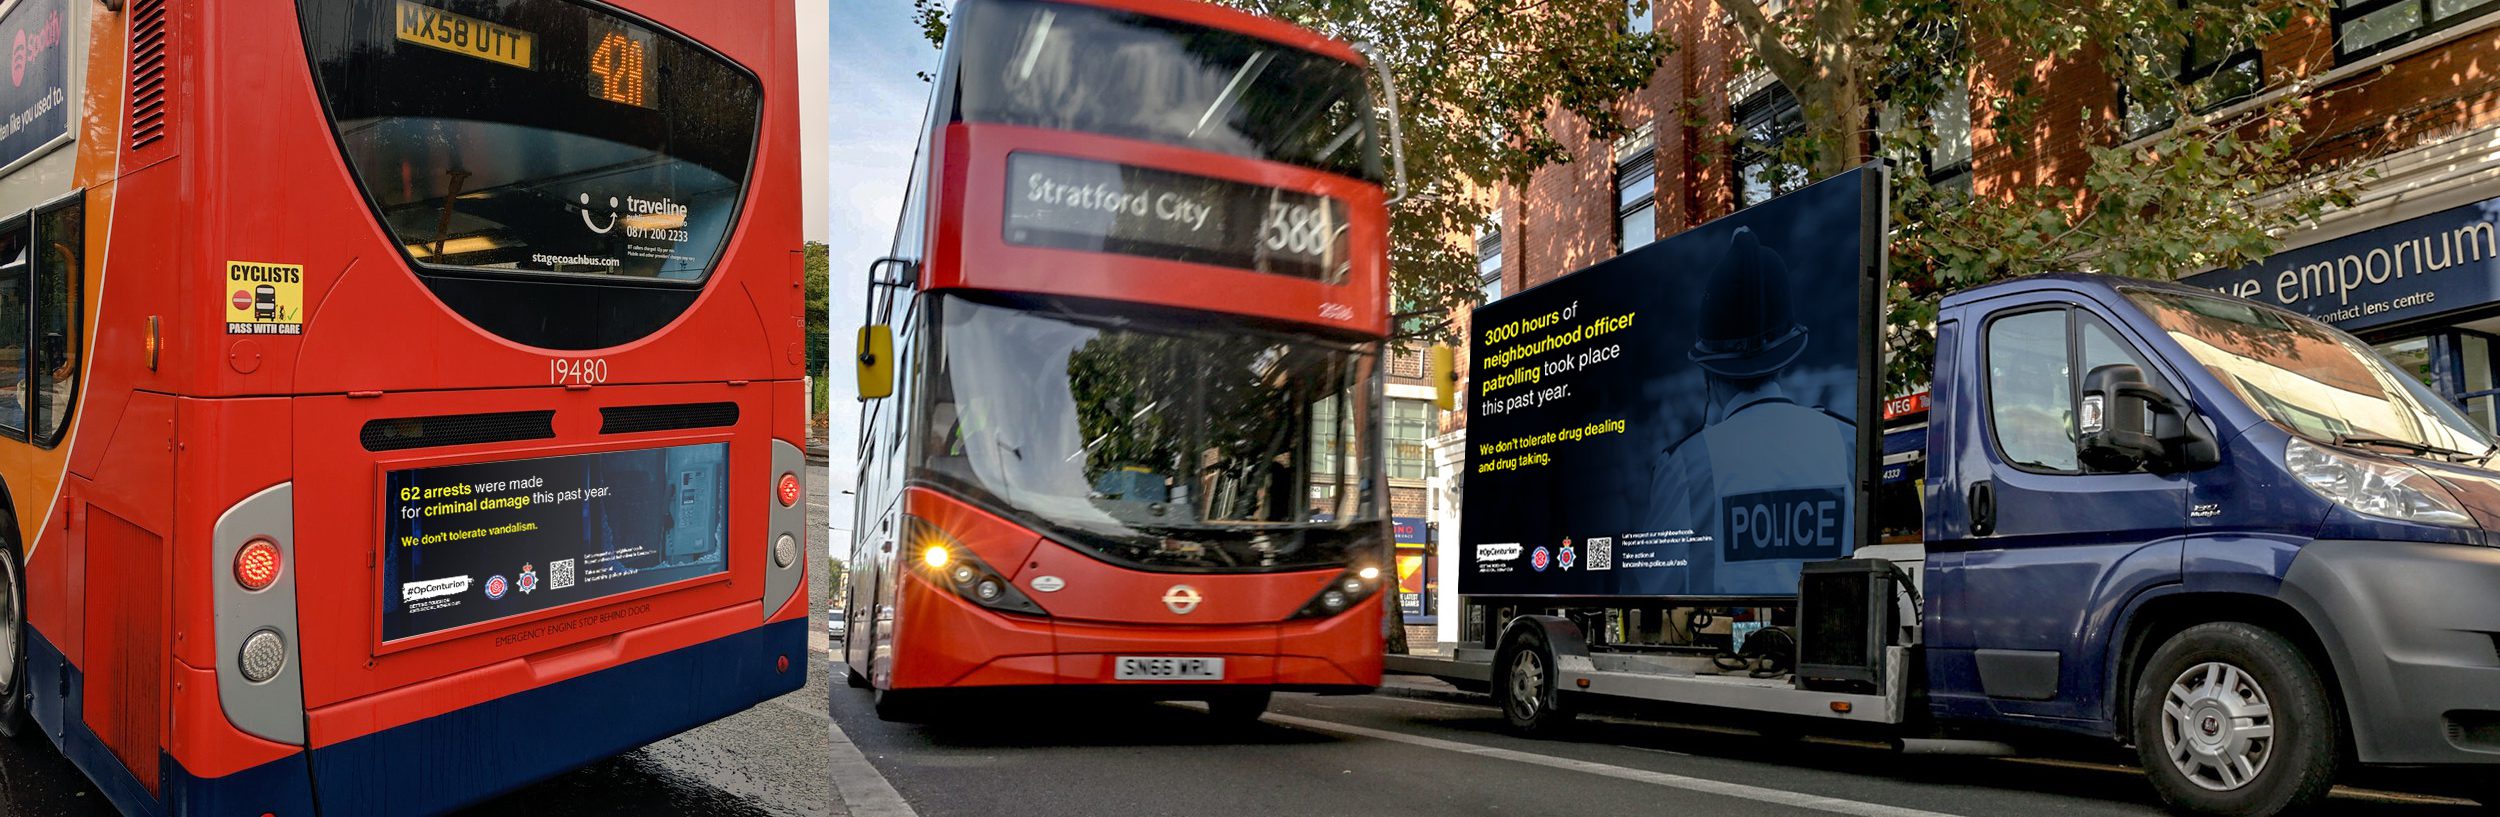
(2023,591)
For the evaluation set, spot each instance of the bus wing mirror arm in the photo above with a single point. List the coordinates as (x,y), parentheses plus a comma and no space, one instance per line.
(1397,132)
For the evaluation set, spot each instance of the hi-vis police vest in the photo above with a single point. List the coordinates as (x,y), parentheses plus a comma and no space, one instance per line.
(1769,486)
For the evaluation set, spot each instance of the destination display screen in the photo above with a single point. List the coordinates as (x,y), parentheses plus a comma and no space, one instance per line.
(482,541)
(1079,204)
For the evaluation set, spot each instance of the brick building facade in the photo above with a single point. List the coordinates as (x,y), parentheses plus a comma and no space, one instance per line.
(2411,89)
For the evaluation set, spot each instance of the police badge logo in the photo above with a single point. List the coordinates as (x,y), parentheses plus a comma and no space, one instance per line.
(529,578)
(1540,559)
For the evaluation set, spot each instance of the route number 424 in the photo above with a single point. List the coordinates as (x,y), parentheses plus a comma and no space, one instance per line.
(580,371)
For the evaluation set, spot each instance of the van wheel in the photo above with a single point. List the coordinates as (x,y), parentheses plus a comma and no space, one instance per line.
(1241,708)
(1523,685)
(2231,720)
(17,696)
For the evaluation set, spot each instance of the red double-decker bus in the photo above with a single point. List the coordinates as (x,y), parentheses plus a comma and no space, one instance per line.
(404,395)
(1132,333)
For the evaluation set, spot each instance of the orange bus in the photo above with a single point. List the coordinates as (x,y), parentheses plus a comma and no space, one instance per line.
(1127,366)
(403,397)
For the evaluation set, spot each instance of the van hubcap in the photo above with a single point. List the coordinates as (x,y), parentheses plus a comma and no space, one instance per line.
(1527,684)
(2217,726)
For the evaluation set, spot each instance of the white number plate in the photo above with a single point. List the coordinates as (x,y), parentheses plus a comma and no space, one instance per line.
(1137,668)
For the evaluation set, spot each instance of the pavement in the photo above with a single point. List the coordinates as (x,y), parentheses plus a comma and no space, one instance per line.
(1425,749)
(768,761)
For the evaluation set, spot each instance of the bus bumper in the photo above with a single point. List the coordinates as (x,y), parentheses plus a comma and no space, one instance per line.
(466,756)
(2410,630)
(961,645)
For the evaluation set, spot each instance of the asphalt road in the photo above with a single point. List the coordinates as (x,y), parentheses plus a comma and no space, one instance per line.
(766,762)
(1389,756)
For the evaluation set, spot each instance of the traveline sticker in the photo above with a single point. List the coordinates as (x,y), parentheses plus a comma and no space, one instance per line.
(264,299)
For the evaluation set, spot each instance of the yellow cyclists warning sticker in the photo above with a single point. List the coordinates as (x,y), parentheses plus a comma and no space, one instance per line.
(264,299)
(467,36)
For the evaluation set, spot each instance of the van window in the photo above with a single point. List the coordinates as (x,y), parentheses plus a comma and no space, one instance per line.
(2030,391)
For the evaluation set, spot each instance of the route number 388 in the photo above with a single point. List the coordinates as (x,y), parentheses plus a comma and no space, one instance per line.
(1297,229)
(580,371)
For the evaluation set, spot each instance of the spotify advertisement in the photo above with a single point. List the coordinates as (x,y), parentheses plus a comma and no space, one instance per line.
(482,541)
(1694,418)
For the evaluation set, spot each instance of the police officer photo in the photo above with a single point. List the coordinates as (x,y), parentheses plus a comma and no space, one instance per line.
(1763,483)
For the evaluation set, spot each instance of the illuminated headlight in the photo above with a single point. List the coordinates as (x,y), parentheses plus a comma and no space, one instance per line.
(1346,590)
(953,567)
(2378,488)
(264,654)
(785,550)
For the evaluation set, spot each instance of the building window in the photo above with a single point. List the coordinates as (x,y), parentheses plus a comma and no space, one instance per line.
(1489,258)
(1410,425)
(2210,72)
(1636,190)
(1765,119)
(2367,27)
(1947,160)
(1637,17)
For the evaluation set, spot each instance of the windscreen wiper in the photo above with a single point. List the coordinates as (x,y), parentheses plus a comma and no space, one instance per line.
(2408,445)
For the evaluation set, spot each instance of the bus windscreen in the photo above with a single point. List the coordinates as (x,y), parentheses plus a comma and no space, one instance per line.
(1082,68)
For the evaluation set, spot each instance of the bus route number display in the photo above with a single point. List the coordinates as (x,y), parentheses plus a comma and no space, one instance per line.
(478,542)
(1079,204)
(435,28)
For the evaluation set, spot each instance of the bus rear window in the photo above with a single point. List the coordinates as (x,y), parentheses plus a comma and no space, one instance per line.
(536,137)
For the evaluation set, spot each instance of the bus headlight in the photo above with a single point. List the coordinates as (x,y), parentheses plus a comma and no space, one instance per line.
(263,655)
(1346,590)
(956,568)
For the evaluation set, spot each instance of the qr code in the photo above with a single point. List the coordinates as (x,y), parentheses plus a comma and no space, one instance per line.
(559,574)
(1602,553)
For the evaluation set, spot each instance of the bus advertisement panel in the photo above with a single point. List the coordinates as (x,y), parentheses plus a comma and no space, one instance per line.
(483,541)
(1682,419)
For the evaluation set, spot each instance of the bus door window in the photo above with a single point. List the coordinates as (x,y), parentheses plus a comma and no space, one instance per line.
(59,281)
(16,279)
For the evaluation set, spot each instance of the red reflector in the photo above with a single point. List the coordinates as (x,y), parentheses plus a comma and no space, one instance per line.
(256,567)
(790,489)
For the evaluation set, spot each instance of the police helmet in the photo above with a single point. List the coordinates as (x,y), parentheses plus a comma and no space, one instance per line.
(1748,329)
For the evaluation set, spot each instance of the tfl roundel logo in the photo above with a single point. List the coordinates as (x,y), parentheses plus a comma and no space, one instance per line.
(1538,560)
(496,587)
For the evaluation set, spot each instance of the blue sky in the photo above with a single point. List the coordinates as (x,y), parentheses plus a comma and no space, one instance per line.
(875,56)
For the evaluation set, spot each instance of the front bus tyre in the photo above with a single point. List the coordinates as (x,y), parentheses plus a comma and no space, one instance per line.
(902,706)
(1239,708)
(2232,720)
(1523,685)
(16,691)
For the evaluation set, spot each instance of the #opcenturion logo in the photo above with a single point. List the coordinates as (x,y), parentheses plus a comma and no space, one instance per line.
(1503,552)
(433,588)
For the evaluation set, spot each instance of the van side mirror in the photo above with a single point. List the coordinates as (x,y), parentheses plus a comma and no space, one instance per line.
(876,362)
(2114,414)
(1444,376)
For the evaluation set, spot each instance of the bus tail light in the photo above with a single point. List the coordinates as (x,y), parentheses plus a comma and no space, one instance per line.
(950,565)
(1342,593)
(256,566)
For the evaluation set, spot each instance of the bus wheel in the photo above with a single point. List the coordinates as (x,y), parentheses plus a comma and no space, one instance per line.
(1239,707)
(2231,719)
(900,706)
(16,693)
(1523,685)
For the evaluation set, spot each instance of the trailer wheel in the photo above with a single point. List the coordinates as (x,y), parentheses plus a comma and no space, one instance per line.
(16,691)
(1524,685)
(2231,720)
